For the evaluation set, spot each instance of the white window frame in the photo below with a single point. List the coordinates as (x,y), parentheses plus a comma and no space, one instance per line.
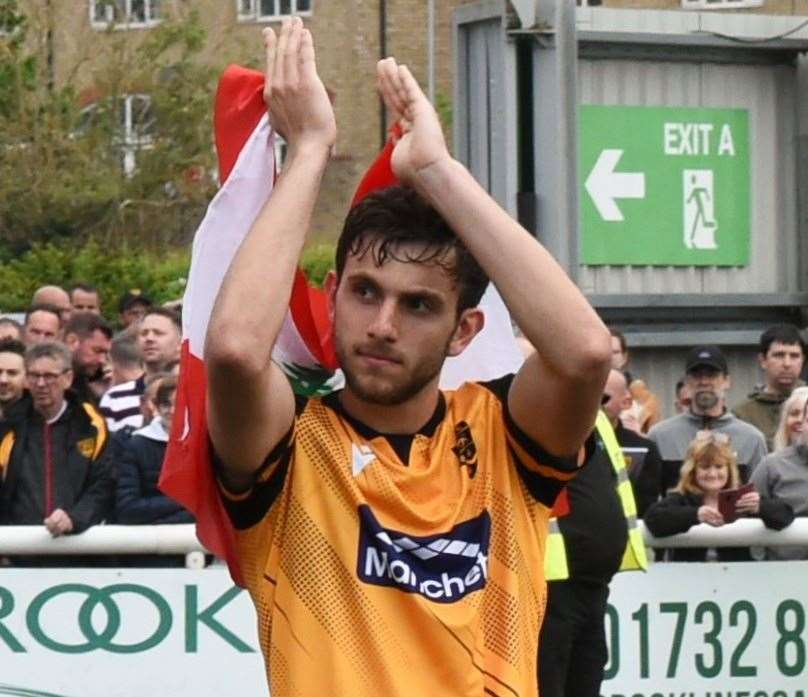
(151,18)
(126,138)
(720,4)
(250,11)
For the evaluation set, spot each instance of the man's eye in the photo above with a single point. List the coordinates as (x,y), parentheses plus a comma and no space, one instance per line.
(417,304)
(365,292)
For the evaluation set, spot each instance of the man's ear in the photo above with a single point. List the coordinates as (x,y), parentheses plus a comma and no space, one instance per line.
(471,323)
(71,340)
(330,285)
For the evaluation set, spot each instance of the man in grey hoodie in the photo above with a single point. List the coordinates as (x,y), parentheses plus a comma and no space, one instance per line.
(707,379)
(781,355)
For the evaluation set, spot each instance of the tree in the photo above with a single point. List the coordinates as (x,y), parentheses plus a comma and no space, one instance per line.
(123,158)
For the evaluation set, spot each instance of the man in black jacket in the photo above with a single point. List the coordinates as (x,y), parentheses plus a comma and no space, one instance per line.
(54,469)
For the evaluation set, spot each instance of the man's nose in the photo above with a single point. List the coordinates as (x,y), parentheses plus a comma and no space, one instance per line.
(384,324)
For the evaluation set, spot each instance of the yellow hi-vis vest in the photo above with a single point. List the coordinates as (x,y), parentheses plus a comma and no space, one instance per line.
(634,558)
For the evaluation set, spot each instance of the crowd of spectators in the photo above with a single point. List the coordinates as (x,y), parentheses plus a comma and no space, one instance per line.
(85,412)
(86,408)
(711,462)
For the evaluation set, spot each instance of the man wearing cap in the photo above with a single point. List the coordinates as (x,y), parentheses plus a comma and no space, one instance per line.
(707,380)
(132,307)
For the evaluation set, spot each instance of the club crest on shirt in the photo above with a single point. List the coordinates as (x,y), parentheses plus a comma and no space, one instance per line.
(86,446)
(464,448)
(443,568)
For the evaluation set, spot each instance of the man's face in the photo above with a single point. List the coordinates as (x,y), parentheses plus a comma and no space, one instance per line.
(58,298)
(707,387)
(41,326)
(47,380)
(10,331)
(12,377)
(619,398)
(82,301)
(782,365)
(158,339)
(91,353)
(132,314)
(619,358)
(393,327)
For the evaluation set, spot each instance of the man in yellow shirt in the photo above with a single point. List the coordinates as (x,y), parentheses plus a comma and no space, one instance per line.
(392,535)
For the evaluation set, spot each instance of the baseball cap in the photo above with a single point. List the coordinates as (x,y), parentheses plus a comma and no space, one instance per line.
(707,356)
(133,297)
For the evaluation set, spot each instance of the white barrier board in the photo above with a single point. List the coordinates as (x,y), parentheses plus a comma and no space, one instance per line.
(709,630)
(681,630)
(127,632)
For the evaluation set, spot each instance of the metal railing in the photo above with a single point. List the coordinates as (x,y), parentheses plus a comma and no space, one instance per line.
(181,539)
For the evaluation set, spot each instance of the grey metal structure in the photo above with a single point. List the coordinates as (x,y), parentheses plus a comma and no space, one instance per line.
(645,58)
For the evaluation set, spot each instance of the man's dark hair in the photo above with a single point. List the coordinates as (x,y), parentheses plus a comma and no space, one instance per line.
(85,324)
(783,334)
(387,220)
(166,388)
(11,322)
(165,312)
(83,287)
(43,307)
(621,339)
(12,346)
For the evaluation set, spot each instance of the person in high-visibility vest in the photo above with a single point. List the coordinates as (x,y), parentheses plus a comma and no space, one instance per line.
(585,548)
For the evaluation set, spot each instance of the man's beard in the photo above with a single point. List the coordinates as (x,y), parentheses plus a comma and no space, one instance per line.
(389,392)
(705,400)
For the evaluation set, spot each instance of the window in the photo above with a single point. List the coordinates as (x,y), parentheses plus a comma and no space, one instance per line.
(124,14)
(133,123)
(263,10)
(719,4)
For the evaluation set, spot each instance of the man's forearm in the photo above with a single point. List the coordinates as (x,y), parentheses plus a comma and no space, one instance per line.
(548,307)
(255,292)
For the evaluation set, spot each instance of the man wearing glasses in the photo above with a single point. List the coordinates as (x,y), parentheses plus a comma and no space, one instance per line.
(54,468)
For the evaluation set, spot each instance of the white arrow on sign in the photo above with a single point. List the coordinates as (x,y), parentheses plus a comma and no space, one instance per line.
(605,185)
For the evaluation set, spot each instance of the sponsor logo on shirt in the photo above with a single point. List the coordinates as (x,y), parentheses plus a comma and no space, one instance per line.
(443,568)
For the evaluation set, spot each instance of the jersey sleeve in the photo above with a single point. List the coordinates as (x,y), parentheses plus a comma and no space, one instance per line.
(543,474)
(249,507)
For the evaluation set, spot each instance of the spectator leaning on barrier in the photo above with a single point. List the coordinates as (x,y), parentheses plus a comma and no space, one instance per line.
(89,337)
(781,355)
(42,323)
(12,375)
(85,298)
(53,461)
(138,501)
(707,380)
(791,419)
(643,461)
(711,466)
(783,475)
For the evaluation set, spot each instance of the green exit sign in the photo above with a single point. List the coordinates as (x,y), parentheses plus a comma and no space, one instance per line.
(664,186)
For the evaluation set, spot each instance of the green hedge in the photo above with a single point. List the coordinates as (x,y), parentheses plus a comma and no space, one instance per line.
(162,275)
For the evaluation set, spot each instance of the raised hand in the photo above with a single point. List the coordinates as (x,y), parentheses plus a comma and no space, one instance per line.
(422,143)
(298,104)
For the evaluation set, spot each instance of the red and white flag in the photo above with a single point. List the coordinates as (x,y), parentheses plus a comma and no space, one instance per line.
(246,150)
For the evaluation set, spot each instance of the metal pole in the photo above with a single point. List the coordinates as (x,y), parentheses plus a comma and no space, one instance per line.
(430,23)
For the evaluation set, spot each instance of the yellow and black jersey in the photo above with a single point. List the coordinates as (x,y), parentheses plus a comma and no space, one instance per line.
(400,565)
